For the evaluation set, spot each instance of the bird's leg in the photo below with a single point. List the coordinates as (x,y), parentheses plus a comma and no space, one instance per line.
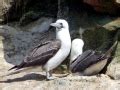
(49,75)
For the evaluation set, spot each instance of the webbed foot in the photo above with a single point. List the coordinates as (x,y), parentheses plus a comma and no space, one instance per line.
(51,78)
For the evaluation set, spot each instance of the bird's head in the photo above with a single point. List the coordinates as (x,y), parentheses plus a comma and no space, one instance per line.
(62,31)
(60,24)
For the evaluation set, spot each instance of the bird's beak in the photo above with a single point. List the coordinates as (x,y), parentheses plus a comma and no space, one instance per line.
(55,25)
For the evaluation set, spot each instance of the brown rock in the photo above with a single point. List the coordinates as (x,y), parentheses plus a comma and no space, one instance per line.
(118,1)
(110,6)
(113,25)
(113,69)
(35,81)
(4,6)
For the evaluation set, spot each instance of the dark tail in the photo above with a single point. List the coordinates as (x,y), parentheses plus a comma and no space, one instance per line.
(14,67)
(108,53)
(18,66)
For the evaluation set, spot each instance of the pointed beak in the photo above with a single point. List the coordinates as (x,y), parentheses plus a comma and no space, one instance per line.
(55,25)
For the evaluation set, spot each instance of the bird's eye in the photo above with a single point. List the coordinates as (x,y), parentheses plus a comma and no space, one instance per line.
(61,24)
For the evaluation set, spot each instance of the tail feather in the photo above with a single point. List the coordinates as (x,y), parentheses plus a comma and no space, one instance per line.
(18,66)
(16,71)
(108,53)
(13,67)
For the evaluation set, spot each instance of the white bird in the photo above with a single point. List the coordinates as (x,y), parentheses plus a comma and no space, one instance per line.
(52,53)
(89,62)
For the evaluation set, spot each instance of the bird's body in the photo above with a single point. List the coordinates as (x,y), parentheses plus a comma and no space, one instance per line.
(40,54)
(64,36)
(90,62)
(50,54)
(62,53)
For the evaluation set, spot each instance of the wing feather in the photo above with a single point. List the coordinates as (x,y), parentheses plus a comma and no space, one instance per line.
(43,52)
(40,54)
(85,60)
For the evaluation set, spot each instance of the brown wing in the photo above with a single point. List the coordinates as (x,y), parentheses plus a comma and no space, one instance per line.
(87,59)
(40,54)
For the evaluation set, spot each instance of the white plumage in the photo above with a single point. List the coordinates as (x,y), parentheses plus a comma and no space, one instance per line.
(64,36)
(76,49)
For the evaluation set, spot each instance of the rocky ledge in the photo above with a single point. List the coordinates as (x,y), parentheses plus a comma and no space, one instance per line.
(37,81)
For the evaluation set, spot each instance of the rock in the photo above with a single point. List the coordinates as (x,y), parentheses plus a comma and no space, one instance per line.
(15,10)
(94,38)
(118,1)
(17,40)
(113,69)
(111,6)
(3,63)
(113,25)
(4,7)
(28,17)
(37,81)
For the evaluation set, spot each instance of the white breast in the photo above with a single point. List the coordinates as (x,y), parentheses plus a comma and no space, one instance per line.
(62,53)
(95,68)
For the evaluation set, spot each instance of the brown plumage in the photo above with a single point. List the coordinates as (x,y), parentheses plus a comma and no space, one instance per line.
(40,54)
(91,62)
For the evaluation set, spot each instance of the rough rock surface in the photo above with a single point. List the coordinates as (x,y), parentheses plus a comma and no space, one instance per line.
(113,25)
(4,6)
(111,6)
(114,67)
(16,10)
(118,1)
(16,41)
(37,81)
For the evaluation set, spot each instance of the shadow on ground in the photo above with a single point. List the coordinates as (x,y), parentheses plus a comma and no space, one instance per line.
(32,76)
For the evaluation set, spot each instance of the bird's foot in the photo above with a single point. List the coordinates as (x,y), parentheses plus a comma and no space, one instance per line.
(51,78)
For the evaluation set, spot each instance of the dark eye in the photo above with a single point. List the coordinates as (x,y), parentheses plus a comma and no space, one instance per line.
(61,24)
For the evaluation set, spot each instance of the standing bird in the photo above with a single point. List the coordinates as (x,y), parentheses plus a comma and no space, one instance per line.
(89,62)
(52,53)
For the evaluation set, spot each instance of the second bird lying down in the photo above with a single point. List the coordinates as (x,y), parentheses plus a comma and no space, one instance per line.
(89,62)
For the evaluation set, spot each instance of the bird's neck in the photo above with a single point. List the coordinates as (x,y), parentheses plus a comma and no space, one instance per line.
(64,36)
(75,53)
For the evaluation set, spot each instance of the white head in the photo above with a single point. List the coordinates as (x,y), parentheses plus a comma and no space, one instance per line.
(60,24)
(62,31)
(76,49)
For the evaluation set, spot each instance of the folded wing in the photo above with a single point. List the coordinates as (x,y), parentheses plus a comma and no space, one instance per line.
(87,59)
(40,54)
